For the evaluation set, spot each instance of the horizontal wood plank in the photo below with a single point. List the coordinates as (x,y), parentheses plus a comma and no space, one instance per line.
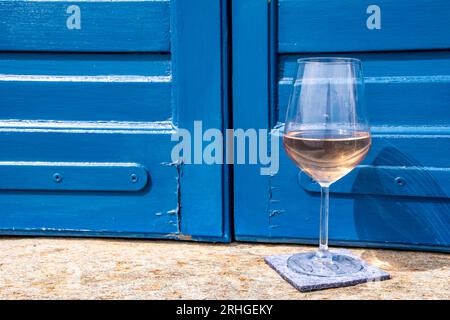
(80,87)
(363,25)
(402,89)
(95,25)
(74,176)
(152,210)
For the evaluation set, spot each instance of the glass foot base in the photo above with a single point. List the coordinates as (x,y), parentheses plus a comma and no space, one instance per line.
(324,264)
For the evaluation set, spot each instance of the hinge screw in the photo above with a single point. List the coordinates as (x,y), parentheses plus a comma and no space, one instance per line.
(134,178)
(57,177)
(400,181)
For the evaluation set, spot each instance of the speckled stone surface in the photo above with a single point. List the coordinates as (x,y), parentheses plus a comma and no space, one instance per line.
(306,283)
(55,268)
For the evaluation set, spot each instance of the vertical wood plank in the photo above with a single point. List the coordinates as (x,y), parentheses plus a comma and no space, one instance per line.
(251,65)
(198,53)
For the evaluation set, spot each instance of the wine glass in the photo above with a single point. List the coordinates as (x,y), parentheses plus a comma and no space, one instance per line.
(326,134)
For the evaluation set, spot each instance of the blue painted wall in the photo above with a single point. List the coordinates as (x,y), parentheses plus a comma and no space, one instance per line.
(400,195)
(87,110)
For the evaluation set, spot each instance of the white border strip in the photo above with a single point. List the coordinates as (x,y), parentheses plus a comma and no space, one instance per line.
(387,79)
(99,78)
(116,127)
(72,164)
(13,123)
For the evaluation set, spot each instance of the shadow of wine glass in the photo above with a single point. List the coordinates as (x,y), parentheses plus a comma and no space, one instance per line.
(401,219)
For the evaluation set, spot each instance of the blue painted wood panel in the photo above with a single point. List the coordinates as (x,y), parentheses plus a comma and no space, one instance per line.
(402,89)
(151,211)
(88,135)
(202,187)
(85,87)
(73,176)
(251,96)
(359,216)
(399,196)
(97,25)
(393,180)
(360,209)
(348,25)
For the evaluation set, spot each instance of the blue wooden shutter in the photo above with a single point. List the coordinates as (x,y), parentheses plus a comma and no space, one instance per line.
(87,110)
(399,196)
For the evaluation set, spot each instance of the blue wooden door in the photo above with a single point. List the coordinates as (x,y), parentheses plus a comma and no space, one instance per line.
(400,195)
(90,94)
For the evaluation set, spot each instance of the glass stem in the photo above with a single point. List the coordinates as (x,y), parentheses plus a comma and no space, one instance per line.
(324,206)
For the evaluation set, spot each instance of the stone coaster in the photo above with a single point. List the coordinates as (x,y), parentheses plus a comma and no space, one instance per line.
(306,283)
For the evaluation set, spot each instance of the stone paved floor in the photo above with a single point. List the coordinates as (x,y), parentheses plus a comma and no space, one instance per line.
(56,268)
